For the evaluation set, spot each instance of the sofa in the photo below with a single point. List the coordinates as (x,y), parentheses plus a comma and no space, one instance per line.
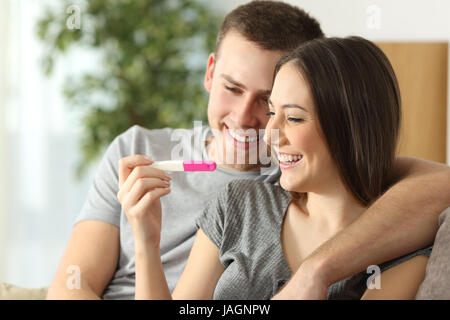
(435,286)
(11,292)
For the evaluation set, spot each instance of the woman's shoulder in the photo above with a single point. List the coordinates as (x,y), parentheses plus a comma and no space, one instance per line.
(253,186)
(250,202)
(248,190)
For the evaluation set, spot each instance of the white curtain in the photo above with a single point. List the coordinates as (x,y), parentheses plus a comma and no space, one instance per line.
(39,197)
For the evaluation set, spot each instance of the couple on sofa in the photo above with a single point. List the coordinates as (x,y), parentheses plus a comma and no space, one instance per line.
(340,201)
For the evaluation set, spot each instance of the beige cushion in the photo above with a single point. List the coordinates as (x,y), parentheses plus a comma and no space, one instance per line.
(436,285)
(11,292)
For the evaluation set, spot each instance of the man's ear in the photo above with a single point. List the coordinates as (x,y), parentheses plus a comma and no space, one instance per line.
(207,83)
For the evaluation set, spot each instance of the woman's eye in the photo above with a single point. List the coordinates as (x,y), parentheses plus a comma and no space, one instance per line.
(270,113)
(295,119)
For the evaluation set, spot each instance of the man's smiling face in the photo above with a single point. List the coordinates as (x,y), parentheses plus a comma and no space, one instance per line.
(239,82)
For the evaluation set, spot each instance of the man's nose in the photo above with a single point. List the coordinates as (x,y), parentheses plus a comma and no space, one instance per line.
(244,115)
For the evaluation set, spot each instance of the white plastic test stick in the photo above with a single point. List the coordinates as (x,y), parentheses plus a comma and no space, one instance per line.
(180,165)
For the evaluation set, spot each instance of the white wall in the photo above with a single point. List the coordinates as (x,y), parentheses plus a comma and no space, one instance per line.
(400,20)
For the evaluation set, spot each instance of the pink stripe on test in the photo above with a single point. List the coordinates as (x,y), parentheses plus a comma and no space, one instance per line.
(199,165)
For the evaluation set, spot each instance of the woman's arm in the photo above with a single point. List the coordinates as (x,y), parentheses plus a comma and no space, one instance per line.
(140,190)
(197,282)
(151,283)
(400,282)
(202,271)
(403,219)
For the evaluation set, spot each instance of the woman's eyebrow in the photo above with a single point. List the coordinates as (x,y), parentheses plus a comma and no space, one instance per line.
(289,105)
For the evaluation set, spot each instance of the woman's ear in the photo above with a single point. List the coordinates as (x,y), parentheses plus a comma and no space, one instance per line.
(207,83)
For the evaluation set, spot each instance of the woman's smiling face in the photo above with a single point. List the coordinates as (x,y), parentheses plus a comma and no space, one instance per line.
(302,151)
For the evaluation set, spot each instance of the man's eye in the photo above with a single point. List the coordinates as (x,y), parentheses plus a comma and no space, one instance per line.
(234,90)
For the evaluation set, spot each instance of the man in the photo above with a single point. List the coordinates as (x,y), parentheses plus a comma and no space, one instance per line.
(238,78)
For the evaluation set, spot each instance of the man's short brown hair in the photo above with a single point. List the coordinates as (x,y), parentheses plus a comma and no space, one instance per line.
(272,25)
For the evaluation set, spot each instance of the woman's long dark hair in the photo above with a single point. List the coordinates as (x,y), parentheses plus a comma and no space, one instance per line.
(357,102)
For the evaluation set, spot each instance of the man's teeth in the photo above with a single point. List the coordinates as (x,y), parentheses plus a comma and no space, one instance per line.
(244,138)
(289,157)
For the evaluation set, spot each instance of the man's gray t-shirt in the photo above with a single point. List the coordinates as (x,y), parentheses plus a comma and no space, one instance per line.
(190,191)
(245,222)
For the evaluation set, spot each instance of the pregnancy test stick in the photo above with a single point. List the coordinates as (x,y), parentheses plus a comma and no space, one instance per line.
(180,165)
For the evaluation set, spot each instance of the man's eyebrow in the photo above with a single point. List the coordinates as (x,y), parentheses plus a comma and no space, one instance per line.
(289,105)
(231,80)
(240,85)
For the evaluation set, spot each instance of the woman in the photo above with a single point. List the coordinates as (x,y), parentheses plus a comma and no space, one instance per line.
(335,106)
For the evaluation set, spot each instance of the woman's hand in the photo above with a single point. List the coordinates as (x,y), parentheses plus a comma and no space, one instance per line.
(140,190)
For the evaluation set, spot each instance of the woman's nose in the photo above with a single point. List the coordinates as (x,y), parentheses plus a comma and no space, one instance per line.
(272,133)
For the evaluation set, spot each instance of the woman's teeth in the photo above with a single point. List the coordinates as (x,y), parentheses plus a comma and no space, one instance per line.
(244,138)
(289,157)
